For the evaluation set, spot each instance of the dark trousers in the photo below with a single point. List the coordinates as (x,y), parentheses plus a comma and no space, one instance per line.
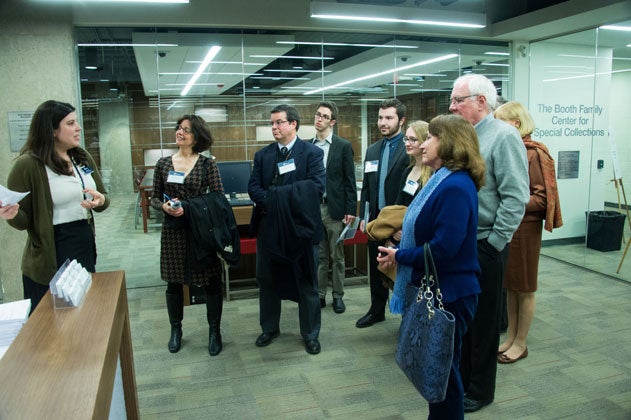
(73,241)
(270,301)
(452,407)
(479,347)
(378,292)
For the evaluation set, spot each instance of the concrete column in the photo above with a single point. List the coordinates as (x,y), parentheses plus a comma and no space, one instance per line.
(115,146)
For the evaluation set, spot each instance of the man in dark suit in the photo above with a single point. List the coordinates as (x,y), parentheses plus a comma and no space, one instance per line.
(286,185)
(338,205)
(384,163)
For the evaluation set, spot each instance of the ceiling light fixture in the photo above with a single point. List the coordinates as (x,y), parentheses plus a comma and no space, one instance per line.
(392,14)
(291,56)
(343,44)
(616,28)
(212,53)
(111,44)
(119,1)
(370,76)
(496,53)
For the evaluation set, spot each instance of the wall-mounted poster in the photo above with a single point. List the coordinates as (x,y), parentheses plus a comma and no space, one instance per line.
(19,123)
(567,164)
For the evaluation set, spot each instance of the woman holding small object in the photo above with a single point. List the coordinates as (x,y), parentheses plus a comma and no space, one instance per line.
(65,186)
(185,175)
(444,214)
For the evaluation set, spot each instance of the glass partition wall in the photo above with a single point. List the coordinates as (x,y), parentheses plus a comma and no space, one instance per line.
(579,88)
(234,78)
(136,82)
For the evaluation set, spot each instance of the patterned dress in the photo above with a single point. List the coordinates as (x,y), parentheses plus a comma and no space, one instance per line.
(174,265)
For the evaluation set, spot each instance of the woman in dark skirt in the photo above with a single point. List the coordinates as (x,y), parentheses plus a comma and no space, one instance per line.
(185,175)
(65,186)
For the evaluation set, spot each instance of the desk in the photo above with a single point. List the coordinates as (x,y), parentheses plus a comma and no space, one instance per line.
(145,188)
(63,362)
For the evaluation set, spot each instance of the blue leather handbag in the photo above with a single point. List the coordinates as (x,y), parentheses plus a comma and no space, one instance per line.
(426,336)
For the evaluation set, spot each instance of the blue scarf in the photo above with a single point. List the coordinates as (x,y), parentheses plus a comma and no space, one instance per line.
(404,272)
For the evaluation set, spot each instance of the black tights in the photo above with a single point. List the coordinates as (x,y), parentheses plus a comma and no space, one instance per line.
(214,288)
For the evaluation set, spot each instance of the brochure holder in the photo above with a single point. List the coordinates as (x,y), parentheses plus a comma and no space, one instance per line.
(70,285)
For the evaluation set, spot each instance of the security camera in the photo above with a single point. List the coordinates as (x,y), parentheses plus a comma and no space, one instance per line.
(478,62)
(404,58)
(162,54)
(220,85)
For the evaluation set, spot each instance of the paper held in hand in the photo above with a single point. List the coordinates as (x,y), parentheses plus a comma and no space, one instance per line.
(8,197)
(349,230)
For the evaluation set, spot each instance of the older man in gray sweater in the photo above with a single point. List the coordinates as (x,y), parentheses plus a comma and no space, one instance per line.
(502,202)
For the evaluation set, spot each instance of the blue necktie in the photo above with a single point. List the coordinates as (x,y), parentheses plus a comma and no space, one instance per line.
(383,171)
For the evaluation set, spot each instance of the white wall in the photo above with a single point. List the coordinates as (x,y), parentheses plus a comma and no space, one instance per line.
(567,103)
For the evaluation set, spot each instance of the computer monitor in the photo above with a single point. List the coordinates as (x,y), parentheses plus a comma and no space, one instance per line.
(235,175)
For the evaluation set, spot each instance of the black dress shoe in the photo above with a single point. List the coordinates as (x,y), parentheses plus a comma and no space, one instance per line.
(471,405)
(322,303)
(369,319)
(312,346)
(266,338)
(338,305)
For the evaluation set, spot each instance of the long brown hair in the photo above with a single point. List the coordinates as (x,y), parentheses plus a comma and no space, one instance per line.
(40,142)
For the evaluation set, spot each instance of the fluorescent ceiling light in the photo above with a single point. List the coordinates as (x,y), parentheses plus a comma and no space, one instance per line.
(208,73)
(496,53)
(495,64)
(393,14)
(291,56)
(212,52)
(370,76)
(616,28)
(425,74)
(117,1)
(297,71)
(279,78)
(343,44)
(226,62)
(127,45)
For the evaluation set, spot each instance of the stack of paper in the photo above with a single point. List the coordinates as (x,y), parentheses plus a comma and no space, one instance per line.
(12,316)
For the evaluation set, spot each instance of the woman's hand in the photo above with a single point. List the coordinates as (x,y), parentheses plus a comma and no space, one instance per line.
(166,207)
(8,212)
(93,199)
(386,256)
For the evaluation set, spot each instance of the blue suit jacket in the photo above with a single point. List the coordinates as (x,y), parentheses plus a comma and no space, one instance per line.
(309,166)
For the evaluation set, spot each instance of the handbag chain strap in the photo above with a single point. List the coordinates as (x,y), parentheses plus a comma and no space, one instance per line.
(429,281)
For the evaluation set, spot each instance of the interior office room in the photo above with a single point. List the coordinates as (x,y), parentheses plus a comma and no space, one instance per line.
(127,67)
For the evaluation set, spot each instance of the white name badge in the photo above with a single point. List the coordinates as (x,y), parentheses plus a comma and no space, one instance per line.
(286,166)
(371,166)
(176,177)
(410,187)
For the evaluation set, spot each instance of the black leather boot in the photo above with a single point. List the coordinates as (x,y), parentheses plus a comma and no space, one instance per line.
(214,307)
(175,307)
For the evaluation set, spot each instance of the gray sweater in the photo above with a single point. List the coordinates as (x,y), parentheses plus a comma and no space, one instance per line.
(503,198)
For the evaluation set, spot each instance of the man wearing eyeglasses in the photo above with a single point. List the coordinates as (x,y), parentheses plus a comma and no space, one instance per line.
(501,204)
(286,185)
(384,163)
(338,204)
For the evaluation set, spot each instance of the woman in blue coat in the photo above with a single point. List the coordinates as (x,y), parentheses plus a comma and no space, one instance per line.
(445,215)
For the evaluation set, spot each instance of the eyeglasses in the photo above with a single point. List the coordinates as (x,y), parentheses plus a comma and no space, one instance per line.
(277,123)
(460,99)
(409,139)
(322,116)
(185,129)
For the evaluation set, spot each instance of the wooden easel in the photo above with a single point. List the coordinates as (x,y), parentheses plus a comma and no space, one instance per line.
(626,206)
